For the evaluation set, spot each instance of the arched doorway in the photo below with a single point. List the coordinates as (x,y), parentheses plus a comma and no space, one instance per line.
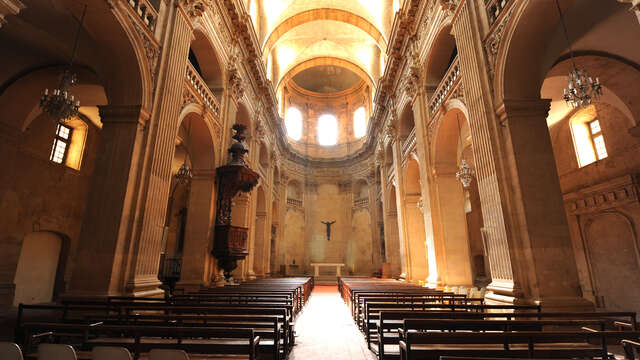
(38,268)
(193,207)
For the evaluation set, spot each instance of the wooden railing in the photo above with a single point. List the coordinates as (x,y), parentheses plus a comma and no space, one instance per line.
(146,13)
(364,202)
(444,88)
(202,90)
(294,202)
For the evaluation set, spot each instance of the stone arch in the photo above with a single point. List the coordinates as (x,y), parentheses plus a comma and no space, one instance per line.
(523,52)
(300,66)
(28,87)
(208,61)
(452,242)
(39,276)
(195,208)
(613,282)
(441,53)
(407,123)
(319,15)
(618,74)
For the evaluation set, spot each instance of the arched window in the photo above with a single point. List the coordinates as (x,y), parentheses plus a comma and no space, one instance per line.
(359,123)
(293,122)
(327,130)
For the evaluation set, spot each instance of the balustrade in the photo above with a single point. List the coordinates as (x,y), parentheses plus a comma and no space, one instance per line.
(494,9)
(146,12)
(364,202)
(409,142)
(445,87)
(202,89)
(294,202)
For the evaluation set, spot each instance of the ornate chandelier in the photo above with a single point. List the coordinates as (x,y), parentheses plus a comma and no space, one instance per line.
(184,174)
(60,104)
(464,174)
(583,90)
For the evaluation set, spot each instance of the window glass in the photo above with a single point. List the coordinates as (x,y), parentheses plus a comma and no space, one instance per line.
(327,130)
(60,144)
(293,122)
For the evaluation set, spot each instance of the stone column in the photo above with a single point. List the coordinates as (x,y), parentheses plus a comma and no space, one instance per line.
(103,246)
(529,248)
(541,244)
(421,118)
(259,248)
(403,241)
(154,191)
(9,7)
(196,256)
(415,237)
(486,150)
(455,262)
(240,217)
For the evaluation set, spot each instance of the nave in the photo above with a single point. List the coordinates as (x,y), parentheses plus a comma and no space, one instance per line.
(290,318)
(325,330)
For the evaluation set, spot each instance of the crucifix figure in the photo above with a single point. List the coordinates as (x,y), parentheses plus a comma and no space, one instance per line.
(328,223)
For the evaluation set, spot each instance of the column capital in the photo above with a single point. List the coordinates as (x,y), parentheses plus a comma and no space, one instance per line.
(523,108)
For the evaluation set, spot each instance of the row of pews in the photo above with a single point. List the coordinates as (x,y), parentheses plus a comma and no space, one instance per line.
(401,320)
(253,320)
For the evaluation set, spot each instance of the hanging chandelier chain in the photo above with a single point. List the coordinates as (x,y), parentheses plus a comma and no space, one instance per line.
(77,40)
(566,33)
(582,89)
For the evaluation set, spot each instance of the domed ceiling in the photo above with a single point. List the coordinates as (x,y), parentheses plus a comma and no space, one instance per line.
(326,79)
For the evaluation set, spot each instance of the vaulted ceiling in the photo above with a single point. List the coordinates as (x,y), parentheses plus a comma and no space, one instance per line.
(343,33)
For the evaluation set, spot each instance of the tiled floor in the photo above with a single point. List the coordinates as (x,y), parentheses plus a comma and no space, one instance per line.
(325,330)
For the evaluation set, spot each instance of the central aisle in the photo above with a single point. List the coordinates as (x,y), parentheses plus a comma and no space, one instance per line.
(325,330)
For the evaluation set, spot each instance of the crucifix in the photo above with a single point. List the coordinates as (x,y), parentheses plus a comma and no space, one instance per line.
(328,223)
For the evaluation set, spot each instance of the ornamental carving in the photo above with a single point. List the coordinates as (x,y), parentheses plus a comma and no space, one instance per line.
(449,6)
(151,50)
(195,8)
(492,44)
(236,85)
(188,97)
(411,82)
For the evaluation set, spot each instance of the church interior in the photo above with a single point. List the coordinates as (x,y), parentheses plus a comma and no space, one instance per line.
(319,179)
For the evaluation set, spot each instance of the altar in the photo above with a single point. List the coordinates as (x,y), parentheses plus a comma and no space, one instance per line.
(316,271)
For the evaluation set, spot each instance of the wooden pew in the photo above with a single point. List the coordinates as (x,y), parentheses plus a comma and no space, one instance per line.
(269,328)
(141,339)
(390,321)
(372,311)
(525,344)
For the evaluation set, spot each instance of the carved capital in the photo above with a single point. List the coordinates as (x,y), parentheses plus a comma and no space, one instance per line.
(195,8)
(236,85)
